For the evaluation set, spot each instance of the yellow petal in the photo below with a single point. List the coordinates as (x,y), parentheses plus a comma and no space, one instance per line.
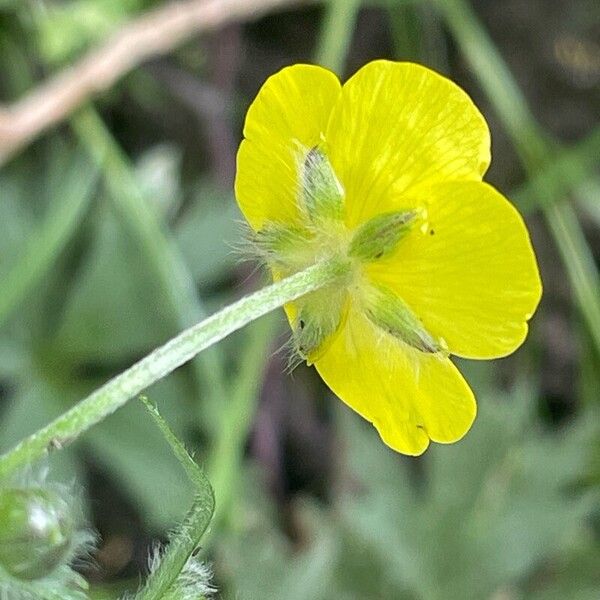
(287,118)
(396,125)
(410,397)
(471,276)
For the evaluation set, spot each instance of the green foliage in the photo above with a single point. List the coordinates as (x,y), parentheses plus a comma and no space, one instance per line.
(175,573)
(40,538)
(68,28)
(487,516)
(98,328)
(208,233)
(102,258)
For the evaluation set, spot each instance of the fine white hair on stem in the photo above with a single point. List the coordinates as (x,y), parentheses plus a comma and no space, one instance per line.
(247,250)
(294,359)
(192,583)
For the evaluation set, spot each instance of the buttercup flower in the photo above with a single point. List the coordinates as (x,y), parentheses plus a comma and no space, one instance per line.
(385,174)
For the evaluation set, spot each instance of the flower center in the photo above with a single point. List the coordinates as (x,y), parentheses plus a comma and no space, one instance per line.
(320,234)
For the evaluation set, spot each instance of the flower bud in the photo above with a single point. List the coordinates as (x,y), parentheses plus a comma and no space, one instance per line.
(36,532)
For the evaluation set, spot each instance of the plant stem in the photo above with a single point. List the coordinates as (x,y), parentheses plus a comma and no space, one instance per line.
(336,33)
(171,272)
(165,359)
(188,535)
(570,167)
(405,26)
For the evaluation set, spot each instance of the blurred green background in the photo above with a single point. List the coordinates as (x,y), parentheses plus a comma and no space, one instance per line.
(119,227)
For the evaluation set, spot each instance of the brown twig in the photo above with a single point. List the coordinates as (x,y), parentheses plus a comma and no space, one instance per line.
(152,34)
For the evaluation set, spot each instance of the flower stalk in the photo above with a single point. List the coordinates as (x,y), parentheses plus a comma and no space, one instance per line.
(165,359)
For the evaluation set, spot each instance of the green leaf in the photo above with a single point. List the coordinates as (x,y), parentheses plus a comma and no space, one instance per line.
(468,520)
(67,206)
(492,508)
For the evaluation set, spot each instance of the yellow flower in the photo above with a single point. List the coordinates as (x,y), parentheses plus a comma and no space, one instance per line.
(385,173)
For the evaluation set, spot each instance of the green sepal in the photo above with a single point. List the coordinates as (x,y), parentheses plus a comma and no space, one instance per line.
(282,245)
(390,313)
(319,318)
(321,194)
(381,234)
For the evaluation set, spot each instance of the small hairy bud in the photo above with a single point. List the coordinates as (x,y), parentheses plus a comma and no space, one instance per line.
(36,532)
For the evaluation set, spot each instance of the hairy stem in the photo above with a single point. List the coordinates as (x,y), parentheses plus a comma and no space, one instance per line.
(165,359)
(164,576)
(161,252)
